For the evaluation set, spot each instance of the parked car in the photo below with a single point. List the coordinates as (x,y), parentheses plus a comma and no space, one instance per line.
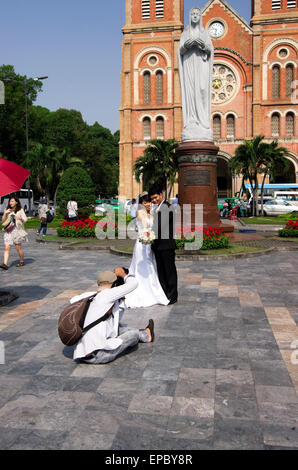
(277,207)
(102,205)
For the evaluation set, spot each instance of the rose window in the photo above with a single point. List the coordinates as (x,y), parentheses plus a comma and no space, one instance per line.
(224,84)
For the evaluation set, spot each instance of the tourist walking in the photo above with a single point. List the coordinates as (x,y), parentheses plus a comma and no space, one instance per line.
(13,221)
(43,208)
(72,209)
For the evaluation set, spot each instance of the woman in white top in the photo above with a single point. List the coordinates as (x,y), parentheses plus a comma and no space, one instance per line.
(72,209)
(143,266)
(17,235)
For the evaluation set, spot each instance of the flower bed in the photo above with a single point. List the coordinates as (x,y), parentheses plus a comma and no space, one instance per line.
(84,228)
(290,230)
(213,238)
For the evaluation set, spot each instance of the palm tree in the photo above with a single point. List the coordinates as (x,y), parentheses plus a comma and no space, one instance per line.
(246,162)
(273,155)
(255,157)
(39,160)
(47,164)
(159,164)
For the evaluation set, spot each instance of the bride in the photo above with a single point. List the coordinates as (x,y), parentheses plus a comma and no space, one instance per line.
(143,266)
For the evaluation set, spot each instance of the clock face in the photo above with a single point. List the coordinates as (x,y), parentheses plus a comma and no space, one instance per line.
(216,29)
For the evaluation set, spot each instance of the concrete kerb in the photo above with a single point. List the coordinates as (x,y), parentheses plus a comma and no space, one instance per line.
(193,257)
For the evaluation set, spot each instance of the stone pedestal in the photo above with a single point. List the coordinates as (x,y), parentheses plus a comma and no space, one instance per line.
(198,181)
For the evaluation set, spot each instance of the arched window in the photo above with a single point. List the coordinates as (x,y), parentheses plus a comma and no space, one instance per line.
(145,9)
(290,124)
(217,126)
(159,87)
(275,81)
(160,128)
(147,87)
(289,79)
(275,125)
(159,7)
(147,128)
(230,125)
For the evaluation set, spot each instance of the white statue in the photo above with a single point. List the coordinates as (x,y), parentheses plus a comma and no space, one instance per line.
(195,59)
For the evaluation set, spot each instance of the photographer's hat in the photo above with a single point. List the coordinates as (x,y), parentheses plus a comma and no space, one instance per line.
(106,277)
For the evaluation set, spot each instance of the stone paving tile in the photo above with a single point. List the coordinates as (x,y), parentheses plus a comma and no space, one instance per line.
(220,374)
(237,434)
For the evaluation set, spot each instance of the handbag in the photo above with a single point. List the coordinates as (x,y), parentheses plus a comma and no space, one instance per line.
(9,224)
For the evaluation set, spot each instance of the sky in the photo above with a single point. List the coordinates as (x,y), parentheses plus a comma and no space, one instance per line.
(77,44)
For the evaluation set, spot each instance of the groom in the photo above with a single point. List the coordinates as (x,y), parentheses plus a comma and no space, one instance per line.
(164,245)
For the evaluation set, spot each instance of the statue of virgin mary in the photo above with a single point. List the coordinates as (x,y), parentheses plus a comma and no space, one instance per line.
(195,60)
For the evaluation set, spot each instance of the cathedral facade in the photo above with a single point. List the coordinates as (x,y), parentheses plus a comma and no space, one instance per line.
(254,88)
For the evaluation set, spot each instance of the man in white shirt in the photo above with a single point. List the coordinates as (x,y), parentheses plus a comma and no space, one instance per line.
(133,209)
(107,340)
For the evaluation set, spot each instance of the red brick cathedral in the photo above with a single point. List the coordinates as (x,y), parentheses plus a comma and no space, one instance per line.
(255,81)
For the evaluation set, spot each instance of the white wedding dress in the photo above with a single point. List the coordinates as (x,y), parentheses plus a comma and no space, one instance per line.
(143,266)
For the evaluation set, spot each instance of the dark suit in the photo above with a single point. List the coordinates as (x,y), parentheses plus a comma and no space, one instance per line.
(164,249)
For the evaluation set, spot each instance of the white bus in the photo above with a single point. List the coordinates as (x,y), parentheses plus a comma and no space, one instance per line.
(289,196)
(271,188)
(22,194)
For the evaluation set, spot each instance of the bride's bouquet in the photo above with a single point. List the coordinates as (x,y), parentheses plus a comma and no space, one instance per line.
(146,236)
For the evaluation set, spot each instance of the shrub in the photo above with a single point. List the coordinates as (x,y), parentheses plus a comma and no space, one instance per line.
(75,181)
(291,216)
(213,238)
(290,230)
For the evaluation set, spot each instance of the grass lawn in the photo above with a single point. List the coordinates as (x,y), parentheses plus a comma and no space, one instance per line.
(232,249)
(264,220)
(35,223)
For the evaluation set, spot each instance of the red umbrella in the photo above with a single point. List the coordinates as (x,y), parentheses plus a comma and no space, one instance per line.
(12,177)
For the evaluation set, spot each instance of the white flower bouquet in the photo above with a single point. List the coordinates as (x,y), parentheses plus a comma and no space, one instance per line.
(146,236)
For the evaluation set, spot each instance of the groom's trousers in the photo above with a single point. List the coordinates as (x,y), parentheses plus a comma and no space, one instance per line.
(167,273)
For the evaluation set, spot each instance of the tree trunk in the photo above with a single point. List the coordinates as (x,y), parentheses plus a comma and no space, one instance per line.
(40,188)
(262,194)
(55,198)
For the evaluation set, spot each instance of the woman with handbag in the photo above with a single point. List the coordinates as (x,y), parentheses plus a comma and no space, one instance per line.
(13,221)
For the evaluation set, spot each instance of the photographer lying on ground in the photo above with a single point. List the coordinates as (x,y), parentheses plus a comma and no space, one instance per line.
(109,339)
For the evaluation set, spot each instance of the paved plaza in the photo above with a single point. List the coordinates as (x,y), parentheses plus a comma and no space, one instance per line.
(221,374)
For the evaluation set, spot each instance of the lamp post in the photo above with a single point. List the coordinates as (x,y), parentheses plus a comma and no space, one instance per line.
(27,129)
(27,138)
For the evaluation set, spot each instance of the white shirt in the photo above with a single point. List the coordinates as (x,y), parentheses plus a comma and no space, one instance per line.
(105,334)
(160,205)
(133,210)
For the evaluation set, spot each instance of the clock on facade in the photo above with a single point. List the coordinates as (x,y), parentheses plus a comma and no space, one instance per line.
(216,29)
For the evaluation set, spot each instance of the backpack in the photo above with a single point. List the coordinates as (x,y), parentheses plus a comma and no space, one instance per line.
(49,217)
(71,321)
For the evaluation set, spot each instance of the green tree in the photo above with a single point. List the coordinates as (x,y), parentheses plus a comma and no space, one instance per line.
(273,155)
(253,158)
(76,181)
(101,155)
(12,113)
(158,165)
(247,162)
